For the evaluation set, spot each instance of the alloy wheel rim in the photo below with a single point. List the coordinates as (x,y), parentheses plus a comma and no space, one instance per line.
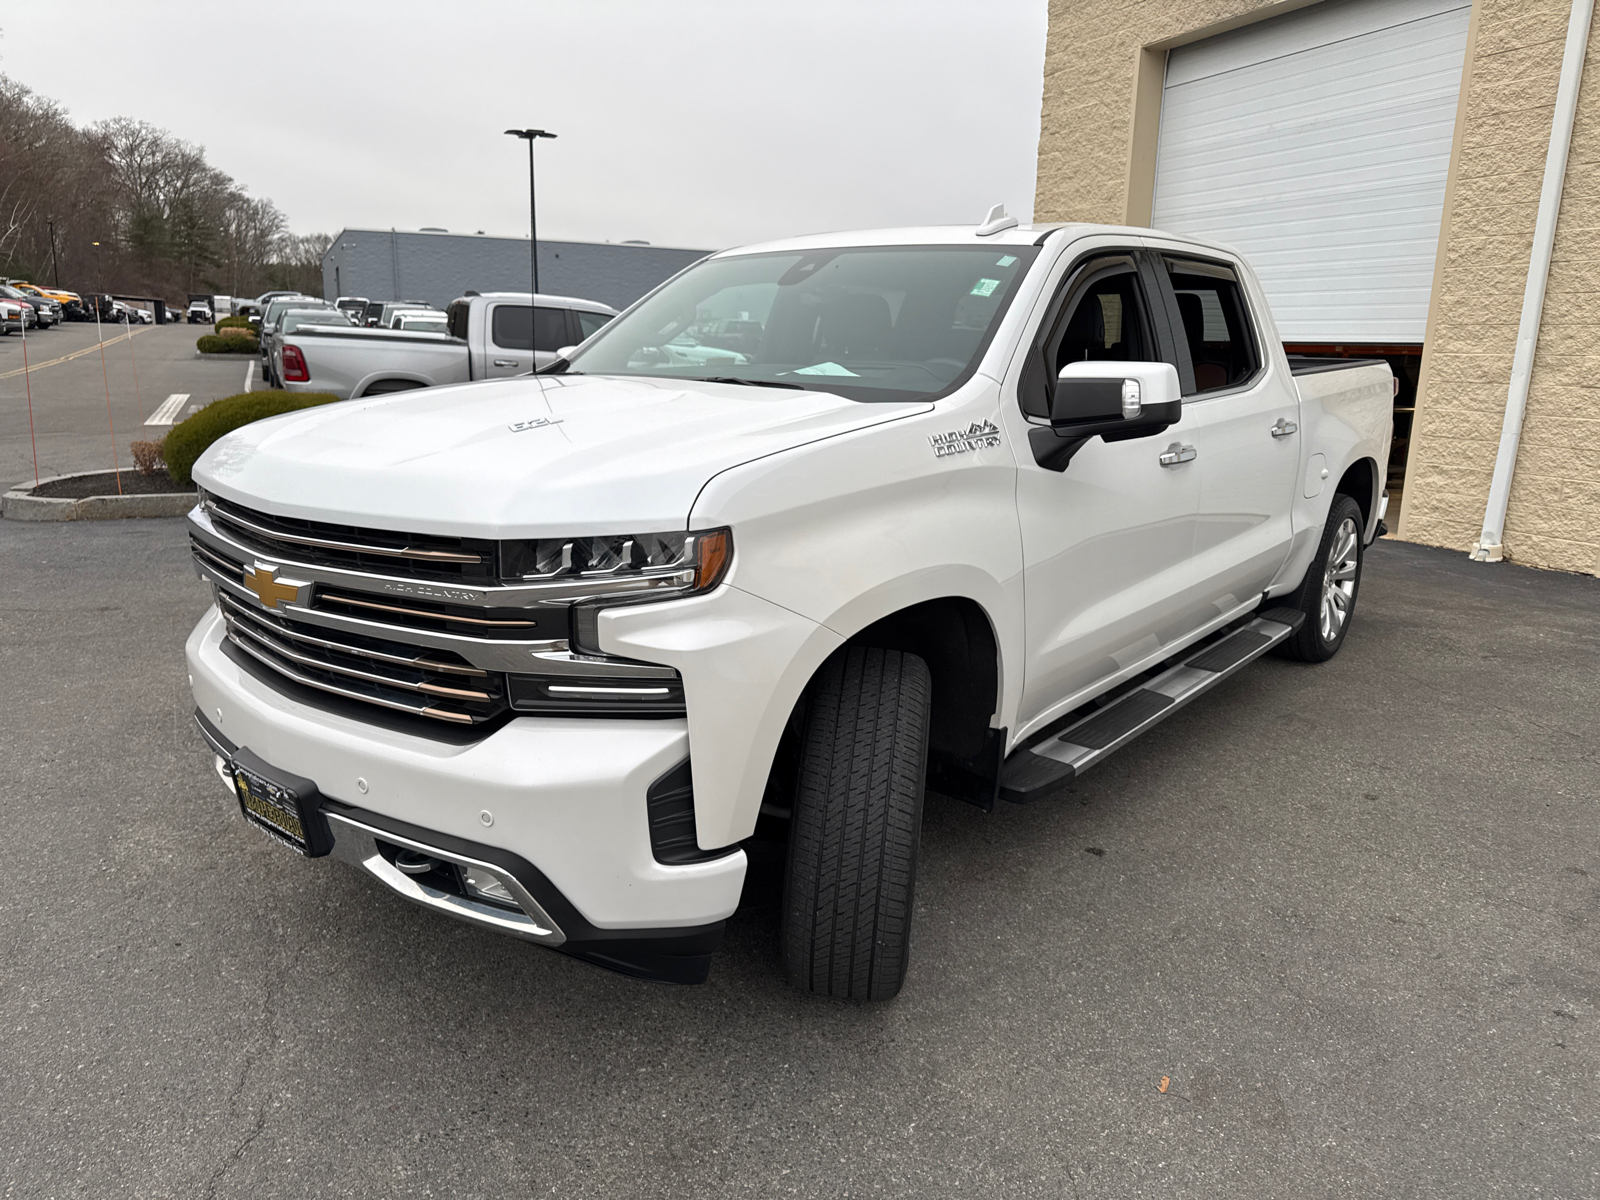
(1339,579)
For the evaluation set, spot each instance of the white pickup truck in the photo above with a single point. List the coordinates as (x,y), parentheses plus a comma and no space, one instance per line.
(974,509)
(488,338)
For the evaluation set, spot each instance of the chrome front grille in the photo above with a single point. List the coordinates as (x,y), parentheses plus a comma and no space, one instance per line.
(389,678)
(517,623)
(467,654)
(353,548)
(395,675)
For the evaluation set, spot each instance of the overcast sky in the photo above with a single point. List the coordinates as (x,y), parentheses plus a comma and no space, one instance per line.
(686,123)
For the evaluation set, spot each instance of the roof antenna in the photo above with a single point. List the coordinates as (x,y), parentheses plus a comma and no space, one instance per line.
(996,221)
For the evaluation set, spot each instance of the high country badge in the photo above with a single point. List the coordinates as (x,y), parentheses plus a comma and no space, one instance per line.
(980,435)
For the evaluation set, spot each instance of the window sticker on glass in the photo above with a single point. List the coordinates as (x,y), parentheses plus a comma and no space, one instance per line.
(1006,260)
(827,368)
(984,287)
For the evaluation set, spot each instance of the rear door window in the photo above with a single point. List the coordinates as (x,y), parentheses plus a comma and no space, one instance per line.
(509,328)
(1216,324)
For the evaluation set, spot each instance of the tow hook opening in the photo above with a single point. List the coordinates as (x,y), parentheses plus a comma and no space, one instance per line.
(469,881)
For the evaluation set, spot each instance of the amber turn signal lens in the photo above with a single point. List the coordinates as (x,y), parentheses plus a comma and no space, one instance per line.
(713,552)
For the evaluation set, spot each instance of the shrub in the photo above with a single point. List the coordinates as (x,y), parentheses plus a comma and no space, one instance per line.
(149,456)
(233,331)
(231,323)
(213,344)
(188,439)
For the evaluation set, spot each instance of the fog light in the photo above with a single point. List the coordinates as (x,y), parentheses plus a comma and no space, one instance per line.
(486,885)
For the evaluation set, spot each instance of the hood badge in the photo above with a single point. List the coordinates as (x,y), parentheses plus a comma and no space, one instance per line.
(980,435)
(536,423)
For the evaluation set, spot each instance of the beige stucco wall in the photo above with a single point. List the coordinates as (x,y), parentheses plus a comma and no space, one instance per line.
(1094,63)
(1554,516)
(1103,64)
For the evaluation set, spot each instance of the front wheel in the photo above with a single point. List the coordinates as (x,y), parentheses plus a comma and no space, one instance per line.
(1327,595)
(857,820)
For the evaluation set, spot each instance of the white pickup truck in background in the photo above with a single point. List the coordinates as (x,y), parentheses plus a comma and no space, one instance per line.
(963,508)
(488,338)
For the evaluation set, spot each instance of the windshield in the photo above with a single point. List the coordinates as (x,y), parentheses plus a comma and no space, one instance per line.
(870,323)
(425,324)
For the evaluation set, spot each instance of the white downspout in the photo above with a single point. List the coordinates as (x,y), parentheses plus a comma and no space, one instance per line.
(1489,546)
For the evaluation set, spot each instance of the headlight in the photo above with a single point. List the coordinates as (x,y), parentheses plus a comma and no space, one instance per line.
(630,569)
(649,563)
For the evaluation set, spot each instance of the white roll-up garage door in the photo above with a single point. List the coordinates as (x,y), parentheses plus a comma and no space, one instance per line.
(1318,143)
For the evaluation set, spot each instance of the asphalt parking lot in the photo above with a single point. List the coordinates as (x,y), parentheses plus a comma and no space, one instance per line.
(1348,913)
(72,428)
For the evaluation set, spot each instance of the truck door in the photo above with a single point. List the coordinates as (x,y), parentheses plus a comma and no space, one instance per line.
(1108,541)
(514,348)
(1241,416)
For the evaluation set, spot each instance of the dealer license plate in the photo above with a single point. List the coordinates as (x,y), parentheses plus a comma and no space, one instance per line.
(271,806)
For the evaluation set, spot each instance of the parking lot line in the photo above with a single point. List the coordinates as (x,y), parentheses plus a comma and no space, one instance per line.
(121,337)
(250,375)
(167,414)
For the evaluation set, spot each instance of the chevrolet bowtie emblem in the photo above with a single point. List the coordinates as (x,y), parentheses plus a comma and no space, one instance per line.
(269,589)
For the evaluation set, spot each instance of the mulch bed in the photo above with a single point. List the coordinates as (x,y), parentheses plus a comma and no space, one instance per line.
(134,483)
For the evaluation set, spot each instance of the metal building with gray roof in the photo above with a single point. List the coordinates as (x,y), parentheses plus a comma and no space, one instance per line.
(436,266)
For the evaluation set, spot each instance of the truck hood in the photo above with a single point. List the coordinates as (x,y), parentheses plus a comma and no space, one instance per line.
(547,456)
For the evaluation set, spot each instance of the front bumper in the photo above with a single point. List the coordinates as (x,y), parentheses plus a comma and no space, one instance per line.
(563,797)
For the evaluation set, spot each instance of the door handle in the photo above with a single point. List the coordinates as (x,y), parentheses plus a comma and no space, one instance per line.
(506,362)
(1175,454)
(1284,428)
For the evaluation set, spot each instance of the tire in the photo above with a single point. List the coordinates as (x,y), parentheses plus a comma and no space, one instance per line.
(1327,595)
(857,819)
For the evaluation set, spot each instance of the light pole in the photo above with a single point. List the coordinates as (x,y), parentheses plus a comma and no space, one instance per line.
(55,267)
(530,136)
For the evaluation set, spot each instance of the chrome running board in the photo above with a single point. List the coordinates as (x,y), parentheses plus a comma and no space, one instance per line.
(1034,769)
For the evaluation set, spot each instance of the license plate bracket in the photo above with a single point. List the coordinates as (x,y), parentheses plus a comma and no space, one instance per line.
(288,808)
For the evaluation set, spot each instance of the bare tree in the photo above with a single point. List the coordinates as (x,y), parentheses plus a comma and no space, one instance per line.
(124,206)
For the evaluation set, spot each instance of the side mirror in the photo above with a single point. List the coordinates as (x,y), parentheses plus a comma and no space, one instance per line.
(565,352)
(1113,400)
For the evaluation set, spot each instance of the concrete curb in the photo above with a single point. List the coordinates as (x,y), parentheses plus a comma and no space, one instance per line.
(20,504)
(230,357)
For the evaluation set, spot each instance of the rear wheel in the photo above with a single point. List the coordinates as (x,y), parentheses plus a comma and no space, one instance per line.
(1327,595)
(857,819)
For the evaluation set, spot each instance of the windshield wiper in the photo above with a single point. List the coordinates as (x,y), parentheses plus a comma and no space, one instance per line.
(798,387)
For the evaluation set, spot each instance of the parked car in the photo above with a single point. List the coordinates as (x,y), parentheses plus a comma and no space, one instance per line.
(291,320)
(13,314)
(39,310)
(275,308)
(486,338)
(59,297)
(386,317)
(200,313)
(356,306)
(252,309)
(980,508)
(375,310)
(392,315)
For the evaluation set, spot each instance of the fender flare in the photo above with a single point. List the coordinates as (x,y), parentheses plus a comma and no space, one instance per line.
(385,376)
